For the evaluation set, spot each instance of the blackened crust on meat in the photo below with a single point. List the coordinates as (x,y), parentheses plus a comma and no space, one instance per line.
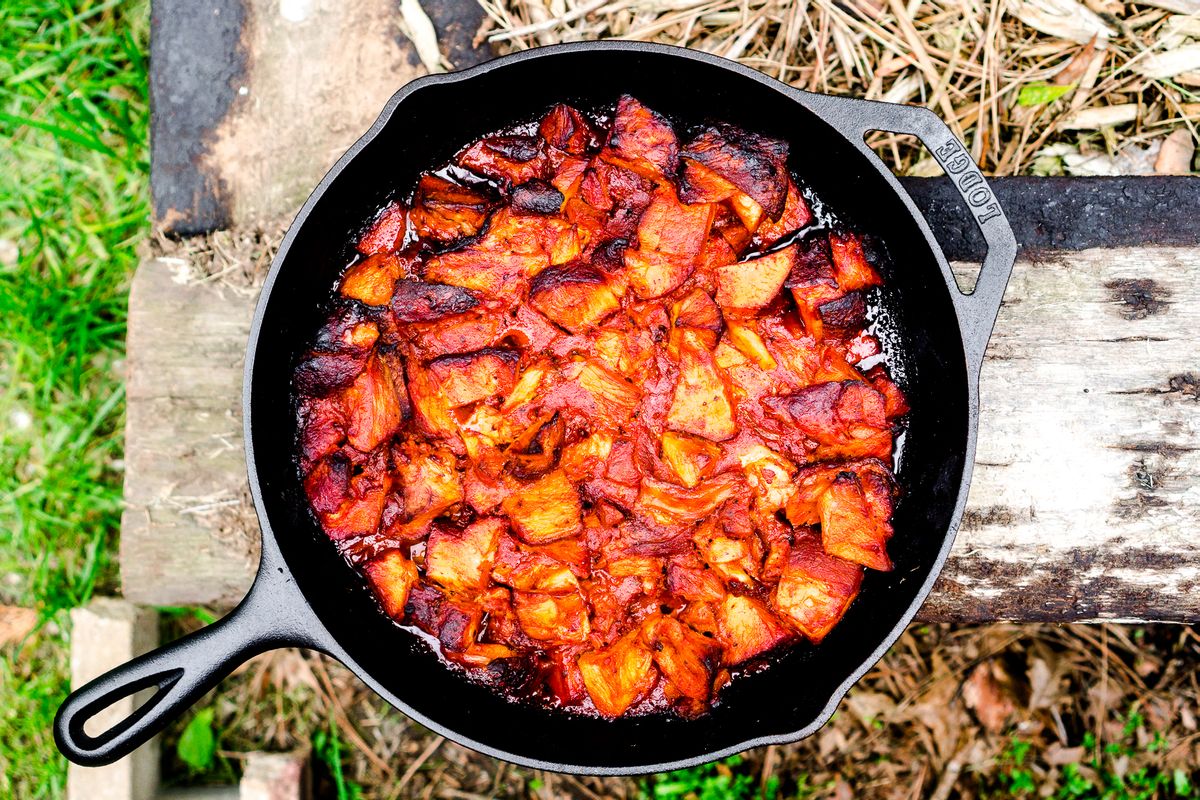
(538,197)
(847,311)
(754,163)
(417,301)
(514,148)
(322,372)
(554,277)
(610,255)
(510,356)
(813,264)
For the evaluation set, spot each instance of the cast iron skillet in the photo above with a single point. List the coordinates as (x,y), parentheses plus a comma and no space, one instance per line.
(304,596)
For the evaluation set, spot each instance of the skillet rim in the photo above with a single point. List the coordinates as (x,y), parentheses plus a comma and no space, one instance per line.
(273,565)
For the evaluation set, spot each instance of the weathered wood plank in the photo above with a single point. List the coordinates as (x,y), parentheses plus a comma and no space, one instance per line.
(1084,507)
(187,532)
(1085,503)
(255,100)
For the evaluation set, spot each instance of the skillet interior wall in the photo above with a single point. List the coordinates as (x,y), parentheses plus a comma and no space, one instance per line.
(427,129)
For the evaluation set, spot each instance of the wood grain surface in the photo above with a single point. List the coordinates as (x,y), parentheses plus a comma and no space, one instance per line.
(1085,504)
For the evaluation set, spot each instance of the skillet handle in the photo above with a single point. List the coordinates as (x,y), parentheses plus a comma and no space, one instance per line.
(180,673)
(976,311)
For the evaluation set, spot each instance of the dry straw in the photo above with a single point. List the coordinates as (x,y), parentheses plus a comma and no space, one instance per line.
(1011,77)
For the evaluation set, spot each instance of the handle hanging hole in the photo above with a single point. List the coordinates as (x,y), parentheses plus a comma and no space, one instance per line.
(935,195)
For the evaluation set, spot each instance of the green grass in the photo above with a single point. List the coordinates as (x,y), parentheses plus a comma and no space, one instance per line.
(1121,770)
(73,202)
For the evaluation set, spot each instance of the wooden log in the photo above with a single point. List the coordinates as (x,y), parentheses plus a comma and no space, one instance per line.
(255,99)
(1084,504)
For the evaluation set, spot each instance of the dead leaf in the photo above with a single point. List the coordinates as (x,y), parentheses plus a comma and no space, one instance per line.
(988,693)
(1187,717)
(1178,6)
(842,790)
(1045,685)
(1174,158)
(1065,19)
(1169,63)
(16,623)
(1074,69)
(1057,755)
(1099,117)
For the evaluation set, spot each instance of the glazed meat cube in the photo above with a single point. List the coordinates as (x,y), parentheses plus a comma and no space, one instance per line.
(748,629)
(686,659)
(894,403)
(376,403)
(445,211)
(813,481)
(371,281)
(690,457)
(386,232)
(339,354)
(556,618)
(750,285)
(669,504)
(845,313)
(509,159)
(546,510)
(642,140)
(671,236)
(562,675)
(514,248)
(462,560)
(322,428)
(697,310)
(465,378)
(568,177)
(430,409)
(747,341)
(363,497)
(619,675)
(815,588)
(701,404)
(328,484)
(454,622)
(768,474)
(575,296)
(536,450)
(855,512)
(693,580)
(796,215)
(621,194)
(417,301)
(754,163)
(430,482)
(853,271)
(846,419)
(531,569)
(569,131)
(813,280)
(699,184)
(613,396)
(454,335)
(391,576)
